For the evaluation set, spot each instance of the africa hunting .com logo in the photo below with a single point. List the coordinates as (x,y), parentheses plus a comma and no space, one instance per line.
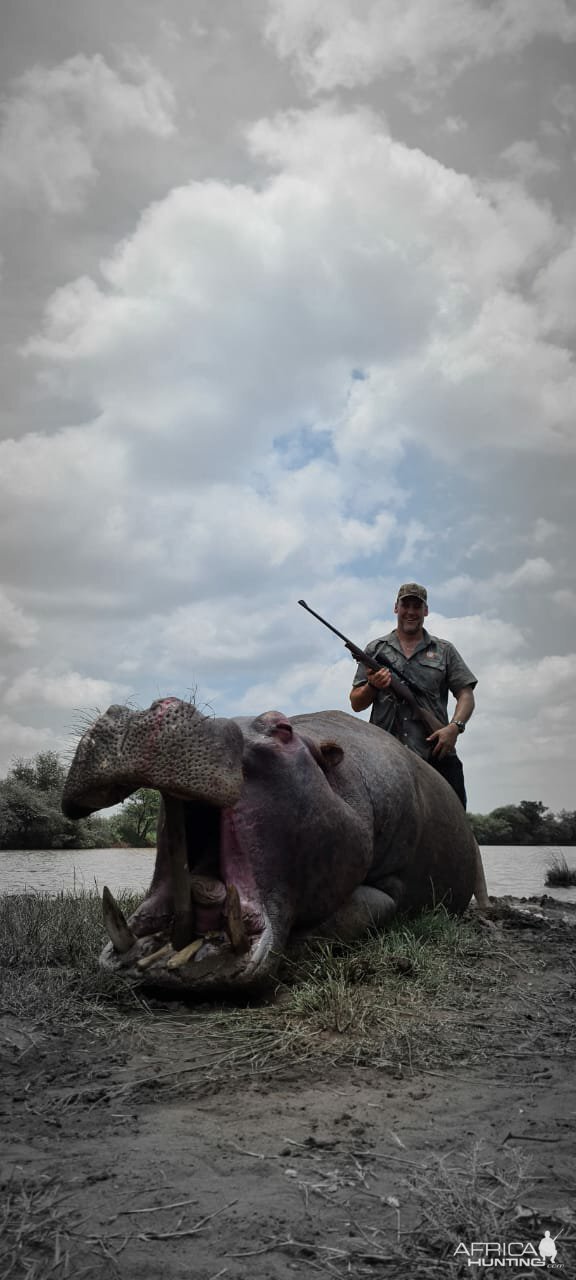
(517,1254)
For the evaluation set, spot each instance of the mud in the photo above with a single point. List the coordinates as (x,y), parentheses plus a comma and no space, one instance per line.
(131,1148)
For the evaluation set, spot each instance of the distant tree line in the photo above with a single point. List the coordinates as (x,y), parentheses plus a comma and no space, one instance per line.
(31,816)
(529,822)
(31,812)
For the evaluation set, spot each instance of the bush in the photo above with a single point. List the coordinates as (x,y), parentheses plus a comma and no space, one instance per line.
(31,810)
(559,873)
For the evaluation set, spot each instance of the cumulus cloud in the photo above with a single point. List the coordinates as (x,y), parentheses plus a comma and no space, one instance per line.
(453,125)
(17,739)
(58,119)
(530,575)
(351,42)
(233,313)
(534,684)
(64,493)
(542,531)
(303,685)
(278,372)
(262,360)
(555,289)
(494,383)
(566,598)
(477,634)
(565,102)
(68,689)
(527,159)
(17,629)
(524,725)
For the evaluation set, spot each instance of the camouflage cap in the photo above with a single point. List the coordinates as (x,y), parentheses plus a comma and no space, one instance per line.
(412,589)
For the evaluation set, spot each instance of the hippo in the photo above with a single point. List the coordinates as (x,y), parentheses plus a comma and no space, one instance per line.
(270,826)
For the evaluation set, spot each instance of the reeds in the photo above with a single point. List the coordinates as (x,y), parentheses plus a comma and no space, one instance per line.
(559,874)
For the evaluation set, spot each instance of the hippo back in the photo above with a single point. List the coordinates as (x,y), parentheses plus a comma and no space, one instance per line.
(424,849)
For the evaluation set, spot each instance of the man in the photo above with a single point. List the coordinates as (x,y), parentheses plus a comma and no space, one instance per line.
(436,668)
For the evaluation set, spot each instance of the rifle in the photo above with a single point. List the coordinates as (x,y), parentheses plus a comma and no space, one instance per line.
(401,686)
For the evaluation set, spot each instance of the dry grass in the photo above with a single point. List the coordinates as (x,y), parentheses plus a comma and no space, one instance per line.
(401,1001)
(64,929)
(49,948)
(37,1231)
(458,1198)
(405,1001)
(465,1198)
(437,1205)
(398,999)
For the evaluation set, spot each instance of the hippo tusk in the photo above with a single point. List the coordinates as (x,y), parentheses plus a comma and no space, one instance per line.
(146,961)
(234,922)
(182,957)
(118,930)
(183,926)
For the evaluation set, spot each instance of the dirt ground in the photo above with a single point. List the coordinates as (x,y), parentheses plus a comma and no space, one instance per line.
(134,1147)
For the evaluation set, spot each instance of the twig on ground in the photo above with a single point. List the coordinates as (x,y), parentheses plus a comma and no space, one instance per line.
(155,1208)
(257,1155)
(189,1231)
(528,1137)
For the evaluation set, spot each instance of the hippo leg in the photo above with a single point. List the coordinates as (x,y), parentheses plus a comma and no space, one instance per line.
(366,908)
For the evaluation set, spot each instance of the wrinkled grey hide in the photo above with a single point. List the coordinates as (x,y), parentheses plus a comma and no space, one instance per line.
(269,825)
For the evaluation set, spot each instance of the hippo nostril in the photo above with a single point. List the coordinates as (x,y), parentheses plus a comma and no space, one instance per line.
(283,730)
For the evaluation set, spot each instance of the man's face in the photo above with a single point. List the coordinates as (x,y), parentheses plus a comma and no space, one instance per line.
(411,612)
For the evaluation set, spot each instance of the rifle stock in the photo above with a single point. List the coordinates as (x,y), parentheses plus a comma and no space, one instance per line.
(398,686)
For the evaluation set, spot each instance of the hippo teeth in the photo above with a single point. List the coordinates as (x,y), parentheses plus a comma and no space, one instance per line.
(235,926)
(187,953)
(145,962)
(183,926)
(118,930)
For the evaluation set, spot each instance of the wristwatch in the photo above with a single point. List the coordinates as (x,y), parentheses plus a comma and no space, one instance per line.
(460,725)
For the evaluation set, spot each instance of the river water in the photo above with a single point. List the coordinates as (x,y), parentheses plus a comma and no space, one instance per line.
(514,869)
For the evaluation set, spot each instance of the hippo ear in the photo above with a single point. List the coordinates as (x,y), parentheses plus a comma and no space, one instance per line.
(331,754)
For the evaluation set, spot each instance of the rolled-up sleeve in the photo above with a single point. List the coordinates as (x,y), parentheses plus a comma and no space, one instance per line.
(361,675)
(362,671)
(459,675)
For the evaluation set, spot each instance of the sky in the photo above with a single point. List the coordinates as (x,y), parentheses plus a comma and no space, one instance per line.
(287,310)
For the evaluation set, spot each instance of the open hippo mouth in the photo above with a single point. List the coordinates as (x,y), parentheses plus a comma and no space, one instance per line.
(202,922)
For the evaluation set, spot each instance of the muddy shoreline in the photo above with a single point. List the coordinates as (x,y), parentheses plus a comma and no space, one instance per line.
(147,1141)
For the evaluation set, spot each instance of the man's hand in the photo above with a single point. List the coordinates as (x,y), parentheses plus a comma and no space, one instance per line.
(444,741)
(362,695)
(380,679)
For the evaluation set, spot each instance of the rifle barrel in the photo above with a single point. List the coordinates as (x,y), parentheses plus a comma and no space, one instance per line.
(326,624)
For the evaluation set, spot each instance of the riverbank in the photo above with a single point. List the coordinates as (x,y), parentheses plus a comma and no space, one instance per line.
(386,1102)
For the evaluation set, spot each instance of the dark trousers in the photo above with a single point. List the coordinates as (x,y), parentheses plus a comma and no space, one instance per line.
(451,769)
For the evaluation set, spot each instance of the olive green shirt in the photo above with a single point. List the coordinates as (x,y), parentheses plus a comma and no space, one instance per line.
(435,667)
